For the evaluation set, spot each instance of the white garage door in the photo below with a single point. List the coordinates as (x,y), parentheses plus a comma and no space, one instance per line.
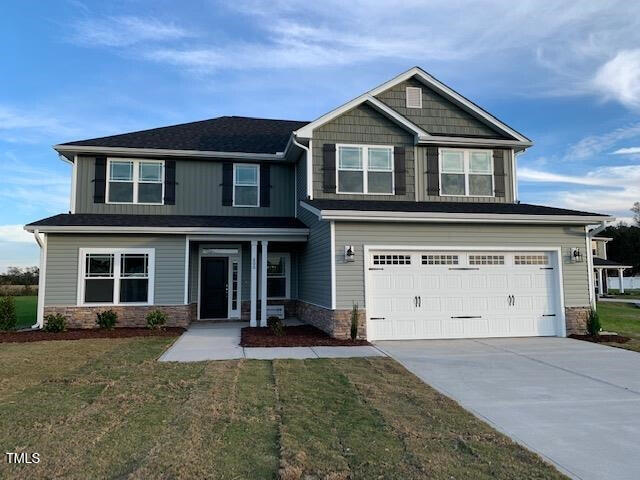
(427,294)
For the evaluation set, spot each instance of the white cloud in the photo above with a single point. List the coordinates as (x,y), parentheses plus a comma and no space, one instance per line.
(124,31)
(627,151)
(27,126)
(595,144)
(619,78)
(15,233)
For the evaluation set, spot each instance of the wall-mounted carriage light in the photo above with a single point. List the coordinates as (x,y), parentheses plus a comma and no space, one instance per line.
(349,253)
(576,255)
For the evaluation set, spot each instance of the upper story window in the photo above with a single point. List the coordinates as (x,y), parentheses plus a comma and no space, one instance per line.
(135,181)
(365,169)
(246,185)
(466,173)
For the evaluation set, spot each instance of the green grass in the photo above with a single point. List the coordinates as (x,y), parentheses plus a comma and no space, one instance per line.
(106,409)
(26,310)
(622,318)
(630,293)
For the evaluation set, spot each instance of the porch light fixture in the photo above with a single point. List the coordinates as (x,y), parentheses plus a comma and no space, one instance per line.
(349,253)
(576,255)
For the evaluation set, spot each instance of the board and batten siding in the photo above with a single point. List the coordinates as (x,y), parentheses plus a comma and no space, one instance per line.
(422,184)
(350,276)
(438,116)
(365,126)
(314,262)
(63,255)
(198,192)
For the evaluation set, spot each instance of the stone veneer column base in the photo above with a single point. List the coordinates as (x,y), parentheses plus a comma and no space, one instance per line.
(576,319)
(128,316)
(336,323)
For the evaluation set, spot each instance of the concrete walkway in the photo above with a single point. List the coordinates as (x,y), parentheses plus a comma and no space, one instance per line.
(575,403)
(221,341)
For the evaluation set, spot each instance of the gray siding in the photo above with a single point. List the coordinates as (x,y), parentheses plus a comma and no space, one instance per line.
(314,262)
(350,276)
(438,115)
(301,178)
(198,192)
(421,183)
(62,264)
(362,125)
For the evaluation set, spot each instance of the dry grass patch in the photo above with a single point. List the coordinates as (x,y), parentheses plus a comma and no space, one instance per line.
(108,409)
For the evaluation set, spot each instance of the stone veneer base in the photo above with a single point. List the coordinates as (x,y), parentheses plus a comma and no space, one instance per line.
(128,316)
(336,323)
(576,319)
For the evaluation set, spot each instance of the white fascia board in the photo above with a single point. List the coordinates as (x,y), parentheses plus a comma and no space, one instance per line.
(170,230)
(307,130)
(169,153)
(457,141)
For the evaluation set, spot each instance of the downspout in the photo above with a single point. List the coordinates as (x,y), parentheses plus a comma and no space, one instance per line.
(42,243)
(309,167)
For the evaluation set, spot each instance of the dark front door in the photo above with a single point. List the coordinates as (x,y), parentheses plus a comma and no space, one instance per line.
(214,287)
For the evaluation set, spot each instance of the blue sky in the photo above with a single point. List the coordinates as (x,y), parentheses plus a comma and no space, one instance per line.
(566,74)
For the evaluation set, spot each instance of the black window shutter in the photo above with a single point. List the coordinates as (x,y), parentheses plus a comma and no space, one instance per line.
(433,171)
(227,184)
(100,179)
(329,168)
(265,185)
(399,171)
(498,172)
(170,182)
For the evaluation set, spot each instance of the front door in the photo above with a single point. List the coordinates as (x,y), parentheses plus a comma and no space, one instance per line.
(214,287)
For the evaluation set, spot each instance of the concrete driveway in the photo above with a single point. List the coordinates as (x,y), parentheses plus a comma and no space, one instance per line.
(575,403)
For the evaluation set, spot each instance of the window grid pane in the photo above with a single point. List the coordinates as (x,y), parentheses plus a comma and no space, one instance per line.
(440,260)
(246,175)
(480,162)
(99,265)
(379,159)
(392,259)
(134,265)
(531,260)
(121,172)
(350,158)
(486,259)
(452,162)
(150,172)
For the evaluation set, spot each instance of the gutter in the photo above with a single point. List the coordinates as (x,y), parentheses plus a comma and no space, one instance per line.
(42,273)
(170,230)
(168,153)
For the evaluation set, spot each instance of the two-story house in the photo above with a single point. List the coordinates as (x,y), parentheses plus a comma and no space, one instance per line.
(403,201)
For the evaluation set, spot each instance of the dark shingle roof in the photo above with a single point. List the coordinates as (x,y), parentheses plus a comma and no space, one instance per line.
(111,220)
(601,262)
(222,134)
(444,207)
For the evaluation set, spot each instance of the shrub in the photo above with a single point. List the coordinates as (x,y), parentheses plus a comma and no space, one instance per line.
(107,319)
(8,317)
(276,325)
(593,323)
(55,323)
(354,321)
(156,319)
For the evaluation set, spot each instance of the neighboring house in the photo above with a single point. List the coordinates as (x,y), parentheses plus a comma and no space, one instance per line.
(602,266)
(403,201)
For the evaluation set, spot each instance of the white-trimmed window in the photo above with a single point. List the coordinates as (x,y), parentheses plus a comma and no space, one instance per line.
(246,185)
(414,97)
(466,173)
(135,181)
(116,276)
(278,275)
(365,169)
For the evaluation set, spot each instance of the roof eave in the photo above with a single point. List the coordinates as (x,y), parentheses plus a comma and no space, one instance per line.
(168,230)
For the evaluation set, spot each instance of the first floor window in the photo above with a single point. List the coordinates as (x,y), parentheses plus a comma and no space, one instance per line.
(117,277)
(466,172)
(365,169)
(136,181)
(245,185)
(278,275)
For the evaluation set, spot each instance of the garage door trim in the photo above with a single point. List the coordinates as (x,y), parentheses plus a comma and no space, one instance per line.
(468,248)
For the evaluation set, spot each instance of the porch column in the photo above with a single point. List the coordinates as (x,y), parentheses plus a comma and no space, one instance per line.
(254,282)
(263,284)
(621,277)
(600,288)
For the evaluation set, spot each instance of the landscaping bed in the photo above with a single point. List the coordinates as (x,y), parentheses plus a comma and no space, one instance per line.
(84,333)
(601,338)
(295,336)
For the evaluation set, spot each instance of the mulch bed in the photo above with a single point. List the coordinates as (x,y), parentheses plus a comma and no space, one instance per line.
(601,338)
(295,336)
(83,333)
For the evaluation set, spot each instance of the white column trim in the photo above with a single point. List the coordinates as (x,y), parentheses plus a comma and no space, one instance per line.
(589,252)
(42,278)
(621,278)
(74,184)
(186,269)
(254,281)
(333,264)
(263,283)
(600,289)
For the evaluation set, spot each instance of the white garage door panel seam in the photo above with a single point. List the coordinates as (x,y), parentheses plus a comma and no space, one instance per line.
(463,292)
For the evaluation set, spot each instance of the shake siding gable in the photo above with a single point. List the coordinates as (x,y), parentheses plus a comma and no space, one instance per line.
(350,277)
(362,125)
(438,116)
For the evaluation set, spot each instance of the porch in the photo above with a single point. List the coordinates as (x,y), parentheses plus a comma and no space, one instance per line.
(601,268)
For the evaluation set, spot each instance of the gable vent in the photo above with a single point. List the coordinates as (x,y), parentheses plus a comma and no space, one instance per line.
(414,97)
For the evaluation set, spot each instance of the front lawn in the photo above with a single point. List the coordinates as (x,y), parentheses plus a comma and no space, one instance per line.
(630,294)
(107,409)
(26,308)
(622,318)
